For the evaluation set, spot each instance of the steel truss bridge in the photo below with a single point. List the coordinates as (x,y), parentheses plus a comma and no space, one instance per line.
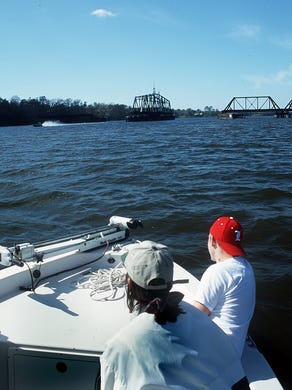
(252,105)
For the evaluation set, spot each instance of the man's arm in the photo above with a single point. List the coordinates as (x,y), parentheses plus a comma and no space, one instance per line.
(202,307)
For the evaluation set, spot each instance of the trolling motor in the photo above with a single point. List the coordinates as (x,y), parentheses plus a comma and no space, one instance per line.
(116,230)
(128,223)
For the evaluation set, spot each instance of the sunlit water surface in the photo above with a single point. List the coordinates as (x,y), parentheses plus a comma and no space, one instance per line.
(177,176)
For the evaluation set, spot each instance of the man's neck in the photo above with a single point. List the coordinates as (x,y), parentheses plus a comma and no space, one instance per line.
(221,255)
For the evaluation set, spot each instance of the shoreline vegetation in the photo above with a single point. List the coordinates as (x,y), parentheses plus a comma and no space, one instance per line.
(21,112)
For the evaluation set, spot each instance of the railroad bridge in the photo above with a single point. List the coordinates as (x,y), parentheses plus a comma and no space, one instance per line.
(239,107)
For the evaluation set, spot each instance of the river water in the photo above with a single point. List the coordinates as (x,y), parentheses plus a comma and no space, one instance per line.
(178,177)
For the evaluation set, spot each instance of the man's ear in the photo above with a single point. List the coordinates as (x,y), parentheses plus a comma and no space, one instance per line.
(214,242)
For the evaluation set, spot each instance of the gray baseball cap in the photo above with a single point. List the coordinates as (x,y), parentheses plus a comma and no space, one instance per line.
(150,265)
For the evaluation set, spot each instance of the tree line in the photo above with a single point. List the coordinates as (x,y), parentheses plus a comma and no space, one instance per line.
(16,111)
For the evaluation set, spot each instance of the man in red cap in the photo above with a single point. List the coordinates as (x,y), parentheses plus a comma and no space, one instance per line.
(226,291)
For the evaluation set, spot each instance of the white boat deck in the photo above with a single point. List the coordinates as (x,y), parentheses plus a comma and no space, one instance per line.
(62,316)
(51,338)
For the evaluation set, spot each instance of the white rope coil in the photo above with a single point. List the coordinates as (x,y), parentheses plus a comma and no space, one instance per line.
(104,283)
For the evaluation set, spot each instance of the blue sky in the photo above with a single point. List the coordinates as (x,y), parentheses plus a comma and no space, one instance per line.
(195,52)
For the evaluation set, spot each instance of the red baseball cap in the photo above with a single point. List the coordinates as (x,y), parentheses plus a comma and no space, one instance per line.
(228,232)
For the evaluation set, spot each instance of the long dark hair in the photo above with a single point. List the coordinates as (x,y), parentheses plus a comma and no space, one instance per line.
(162,303)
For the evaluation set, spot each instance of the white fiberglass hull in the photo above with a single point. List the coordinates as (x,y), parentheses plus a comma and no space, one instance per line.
(53,329)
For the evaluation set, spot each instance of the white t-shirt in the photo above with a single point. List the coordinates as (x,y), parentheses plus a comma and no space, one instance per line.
(227,289)
(191,353)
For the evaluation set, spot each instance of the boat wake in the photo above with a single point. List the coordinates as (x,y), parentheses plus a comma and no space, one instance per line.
(52,123)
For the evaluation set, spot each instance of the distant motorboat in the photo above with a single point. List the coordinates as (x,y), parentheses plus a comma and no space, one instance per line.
(69,119)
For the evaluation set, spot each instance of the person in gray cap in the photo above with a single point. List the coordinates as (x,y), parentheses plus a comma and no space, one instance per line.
(169,343)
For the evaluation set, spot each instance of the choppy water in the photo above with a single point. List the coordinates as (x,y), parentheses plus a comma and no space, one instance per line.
(176,176)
